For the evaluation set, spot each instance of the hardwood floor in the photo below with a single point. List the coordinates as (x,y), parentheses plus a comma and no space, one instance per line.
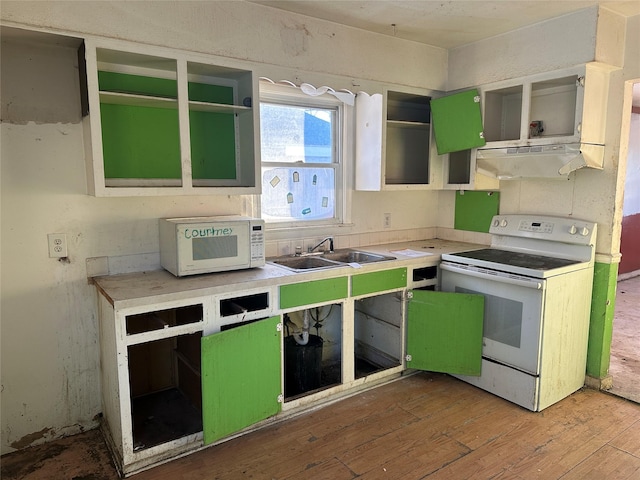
(425,426)
(625,343)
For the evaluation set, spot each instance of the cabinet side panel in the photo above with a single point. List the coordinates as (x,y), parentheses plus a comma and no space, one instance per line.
(368,142)
(111,410)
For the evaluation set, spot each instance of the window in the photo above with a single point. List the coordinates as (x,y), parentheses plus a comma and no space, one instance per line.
(301,138)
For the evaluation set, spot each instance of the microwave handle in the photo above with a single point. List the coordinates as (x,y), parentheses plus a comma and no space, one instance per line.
(535,284)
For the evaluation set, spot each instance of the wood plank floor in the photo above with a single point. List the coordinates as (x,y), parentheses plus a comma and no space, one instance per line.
(625,343)
(425,426)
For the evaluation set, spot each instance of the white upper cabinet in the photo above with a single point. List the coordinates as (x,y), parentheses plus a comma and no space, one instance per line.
(393,141)
(168,123)
(537,110)
(395,148)
(545,125)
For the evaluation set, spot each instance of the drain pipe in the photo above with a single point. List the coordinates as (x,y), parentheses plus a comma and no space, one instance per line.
(303,338)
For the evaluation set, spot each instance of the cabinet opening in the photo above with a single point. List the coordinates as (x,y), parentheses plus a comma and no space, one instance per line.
(312,350)
(553,105)
(244,304)
(407,154)
(159,320)
(407,138)
(166,392)
(139,118)
(407,107)
(459,167)
(378,339)
(425,273)
(503,114)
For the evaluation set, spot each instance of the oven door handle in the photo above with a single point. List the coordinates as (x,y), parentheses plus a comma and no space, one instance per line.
(521,282)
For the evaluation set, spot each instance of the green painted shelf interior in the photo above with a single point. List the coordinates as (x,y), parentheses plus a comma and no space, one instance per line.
(474,210)
(144,141)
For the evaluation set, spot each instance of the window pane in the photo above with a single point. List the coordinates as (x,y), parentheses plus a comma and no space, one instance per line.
(299,193)
(296,134)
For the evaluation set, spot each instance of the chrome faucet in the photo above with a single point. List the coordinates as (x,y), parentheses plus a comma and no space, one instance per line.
(330,239)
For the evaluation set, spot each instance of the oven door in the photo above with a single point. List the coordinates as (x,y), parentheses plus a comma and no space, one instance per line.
(513,309)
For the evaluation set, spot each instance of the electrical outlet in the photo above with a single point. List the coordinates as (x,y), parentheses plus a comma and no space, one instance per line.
(387,220)
(57,245)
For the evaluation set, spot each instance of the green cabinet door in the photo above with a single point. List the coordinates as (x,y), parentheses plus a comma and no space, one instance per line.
(241,378)
(457,122)
(444,332)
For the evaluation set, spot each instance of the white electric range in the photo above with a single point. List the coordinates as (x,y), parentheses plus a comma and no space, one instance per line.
(536,279)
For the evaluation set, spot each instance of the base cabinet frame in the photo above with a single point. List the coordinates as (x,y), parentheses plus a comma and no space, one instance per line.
(235,364)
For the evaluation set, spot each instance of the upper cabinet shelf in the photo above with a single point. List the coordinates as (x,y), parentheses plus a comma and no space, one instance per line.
(168,123)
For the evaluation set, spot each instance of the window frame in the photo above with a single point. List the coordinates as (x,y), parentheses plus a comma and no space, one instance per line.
(292,96)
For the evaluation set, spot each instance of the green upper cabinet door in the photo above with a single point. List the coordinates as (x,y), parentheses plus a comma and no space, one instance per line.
(457,122)
(241,378)
(444,332)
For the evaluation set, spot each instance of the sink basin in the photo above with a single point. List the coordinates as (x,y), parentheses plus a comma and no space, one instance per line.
(355,256)
(305,263)
(339,258)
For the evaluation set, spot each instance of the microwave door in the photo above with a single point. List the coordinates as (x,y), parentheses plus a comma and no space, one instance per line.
(210,253)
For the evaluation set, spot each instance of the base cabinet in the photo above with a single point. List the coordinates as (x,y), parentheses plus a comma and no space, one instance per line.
(151,380)
(180,375)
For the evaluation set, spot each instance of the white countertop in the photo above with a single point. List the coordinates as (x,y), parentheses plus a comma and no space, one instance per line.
(132,289)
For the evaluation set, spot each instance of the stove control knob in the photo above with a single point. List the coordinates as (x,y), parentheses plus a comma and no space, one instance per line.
(584,231)
(503,223)
(573,230)
(495,223)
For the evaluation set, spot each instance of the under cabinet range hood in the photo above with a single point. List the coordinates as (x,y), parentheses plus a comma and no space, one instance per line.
(538,161)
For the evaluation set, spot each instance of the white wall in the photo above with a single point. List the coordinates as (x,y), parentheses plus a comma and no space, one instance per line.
(631,204)
(50,366)
(558,43)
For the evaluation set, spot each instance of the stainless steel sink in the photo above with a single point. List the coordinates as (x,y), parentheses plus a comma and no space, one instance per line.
(339,258)
(356,256)
(305,263)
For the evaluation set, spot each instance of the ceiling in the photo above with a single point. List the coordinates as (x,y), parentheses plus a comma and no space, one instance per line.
(443,23)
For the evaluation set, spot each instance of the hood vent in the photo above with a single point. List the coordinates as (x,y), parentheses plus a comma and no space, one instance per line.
(539,161)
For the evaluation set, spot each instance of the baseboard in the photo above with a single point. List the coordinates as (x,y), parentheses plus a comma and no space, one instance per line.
(628,275)
(604,383)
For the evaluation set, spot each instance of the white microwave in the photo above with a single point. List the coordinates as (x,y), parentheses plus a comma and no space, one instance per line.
(190,246)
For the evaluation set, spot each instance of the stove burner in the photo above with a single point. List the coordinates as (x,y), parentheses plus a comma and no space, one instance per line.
(516,259)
